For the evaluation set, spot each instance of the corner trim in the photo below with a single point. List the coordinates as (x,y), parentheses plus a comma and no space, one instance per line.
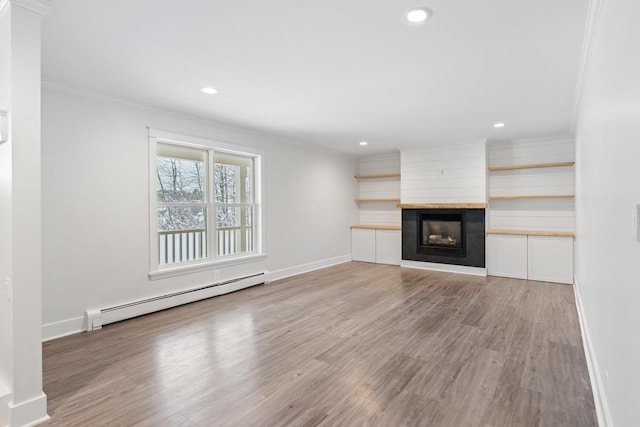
(447,268)
(30,412)
(590,32)
(597,385)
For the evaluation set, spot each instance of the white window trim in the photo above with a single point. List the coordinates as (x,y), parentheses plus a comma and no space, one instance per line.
(156,271)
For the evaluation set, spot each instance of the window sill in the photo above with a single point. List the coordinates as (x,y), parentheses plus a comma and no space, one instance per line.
(203,266)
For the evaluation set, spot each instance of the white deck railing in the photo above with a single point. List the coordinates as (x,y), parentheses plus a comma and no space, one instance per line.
(189,245)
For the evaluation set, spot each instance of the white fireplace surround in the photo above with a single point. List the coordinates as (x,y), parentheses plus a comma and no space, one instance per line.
(454,174)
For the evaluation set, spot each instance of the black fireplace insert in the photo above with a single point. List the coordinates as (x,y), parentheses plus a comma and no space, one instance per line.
(447,236)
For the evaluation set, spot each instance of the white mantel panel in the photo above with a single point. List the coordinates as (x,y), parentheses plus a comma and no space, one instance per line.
(445,175)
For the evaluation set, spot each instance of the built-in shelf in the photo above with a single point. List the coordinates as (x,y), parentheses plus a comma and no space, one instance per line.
(441,205)
(379,175)
(531,166)
(378,200)
(376,227)
(534,196)
(532,232)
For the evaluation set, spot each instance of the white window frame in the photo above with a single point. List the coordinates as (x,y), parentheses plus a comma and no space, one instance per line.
(212,260)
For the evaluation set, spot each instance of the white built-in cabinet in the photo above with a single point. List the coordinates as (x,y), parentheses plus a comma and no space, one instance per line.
(376,245)
(507,256)
(542,258)
(377,236)
(531,215)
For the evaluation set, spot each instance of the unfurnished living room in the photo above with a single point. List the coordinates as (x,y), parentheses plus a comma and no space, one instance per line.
(319,213)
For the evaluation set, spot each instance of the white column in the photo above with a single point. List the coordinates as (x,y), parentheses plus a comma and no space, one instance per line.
(20,215)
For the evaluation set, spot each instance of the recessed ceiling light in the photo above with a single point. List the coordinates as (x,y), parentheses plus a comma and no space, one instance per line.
(498,125)
(363,143)
(209,90)
(418,15)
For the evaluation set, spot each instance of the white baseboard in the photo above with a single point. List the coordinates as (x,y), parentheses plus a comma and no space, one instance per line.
(54,330)
(597,385)
(29,413)
(305,268)
(448,268)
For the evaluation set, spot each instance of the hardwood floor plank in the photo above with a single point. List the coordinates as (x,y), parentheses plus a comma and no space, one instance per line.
(374,392)
(513,406)
(409,410)
(354,344)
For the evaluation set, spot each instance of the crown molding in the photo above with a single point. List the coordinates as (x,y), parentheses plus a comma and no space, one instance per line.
(248,130)
(590,31)
(38,6)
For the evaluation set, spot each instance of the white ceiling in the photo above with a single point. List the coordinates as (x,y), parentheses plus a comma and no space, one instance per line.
(331,72)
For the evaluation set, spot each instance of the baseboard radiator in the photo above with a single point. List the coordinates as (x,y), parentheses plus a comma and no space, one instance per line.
(96,318)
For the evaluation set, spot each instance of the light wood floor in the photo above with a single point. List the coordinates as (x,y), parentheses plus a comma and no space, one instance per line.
(355,344)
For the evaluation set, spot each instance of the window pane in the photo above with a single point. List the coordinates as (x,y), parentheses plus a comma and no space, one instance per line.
(234,228)
(182,234)
(180,180)
(233,178)
(186,218)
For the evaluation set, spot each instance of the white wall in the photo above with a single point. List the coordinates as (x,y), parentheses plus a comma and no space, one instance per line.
(448,174)
(608,187)
(95,204)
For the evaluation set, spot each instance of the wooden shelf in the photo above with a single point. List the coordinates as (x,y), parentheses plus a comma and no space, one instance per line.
(380,175)
(532,232)
(535,196)
(376,227)
(377,200)
(531,166)
(441,205)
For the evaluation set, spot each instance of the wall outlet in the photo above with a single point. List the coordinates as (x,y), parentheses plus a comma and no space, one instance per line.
(333,251)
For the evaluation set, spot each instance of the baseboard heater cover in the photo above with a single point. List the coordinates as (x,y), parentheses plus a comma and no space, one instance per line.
(96,318)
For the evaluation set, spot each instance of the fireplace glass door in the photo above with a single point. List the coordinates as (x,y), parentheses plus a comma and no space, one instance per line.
(442,233)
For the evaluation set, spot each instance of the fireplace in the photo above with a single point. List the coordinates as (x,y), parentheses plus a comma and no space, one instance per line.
(446,236)
(442,233)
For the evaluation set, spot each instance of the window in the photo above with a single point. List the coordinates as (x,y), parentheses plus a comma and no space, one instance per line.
(205,203)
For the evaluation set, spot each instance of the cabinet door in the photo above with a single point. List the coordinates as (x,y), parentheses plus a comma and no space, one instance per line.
(507,256)
(551,259)
(363,245)
(388,246)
